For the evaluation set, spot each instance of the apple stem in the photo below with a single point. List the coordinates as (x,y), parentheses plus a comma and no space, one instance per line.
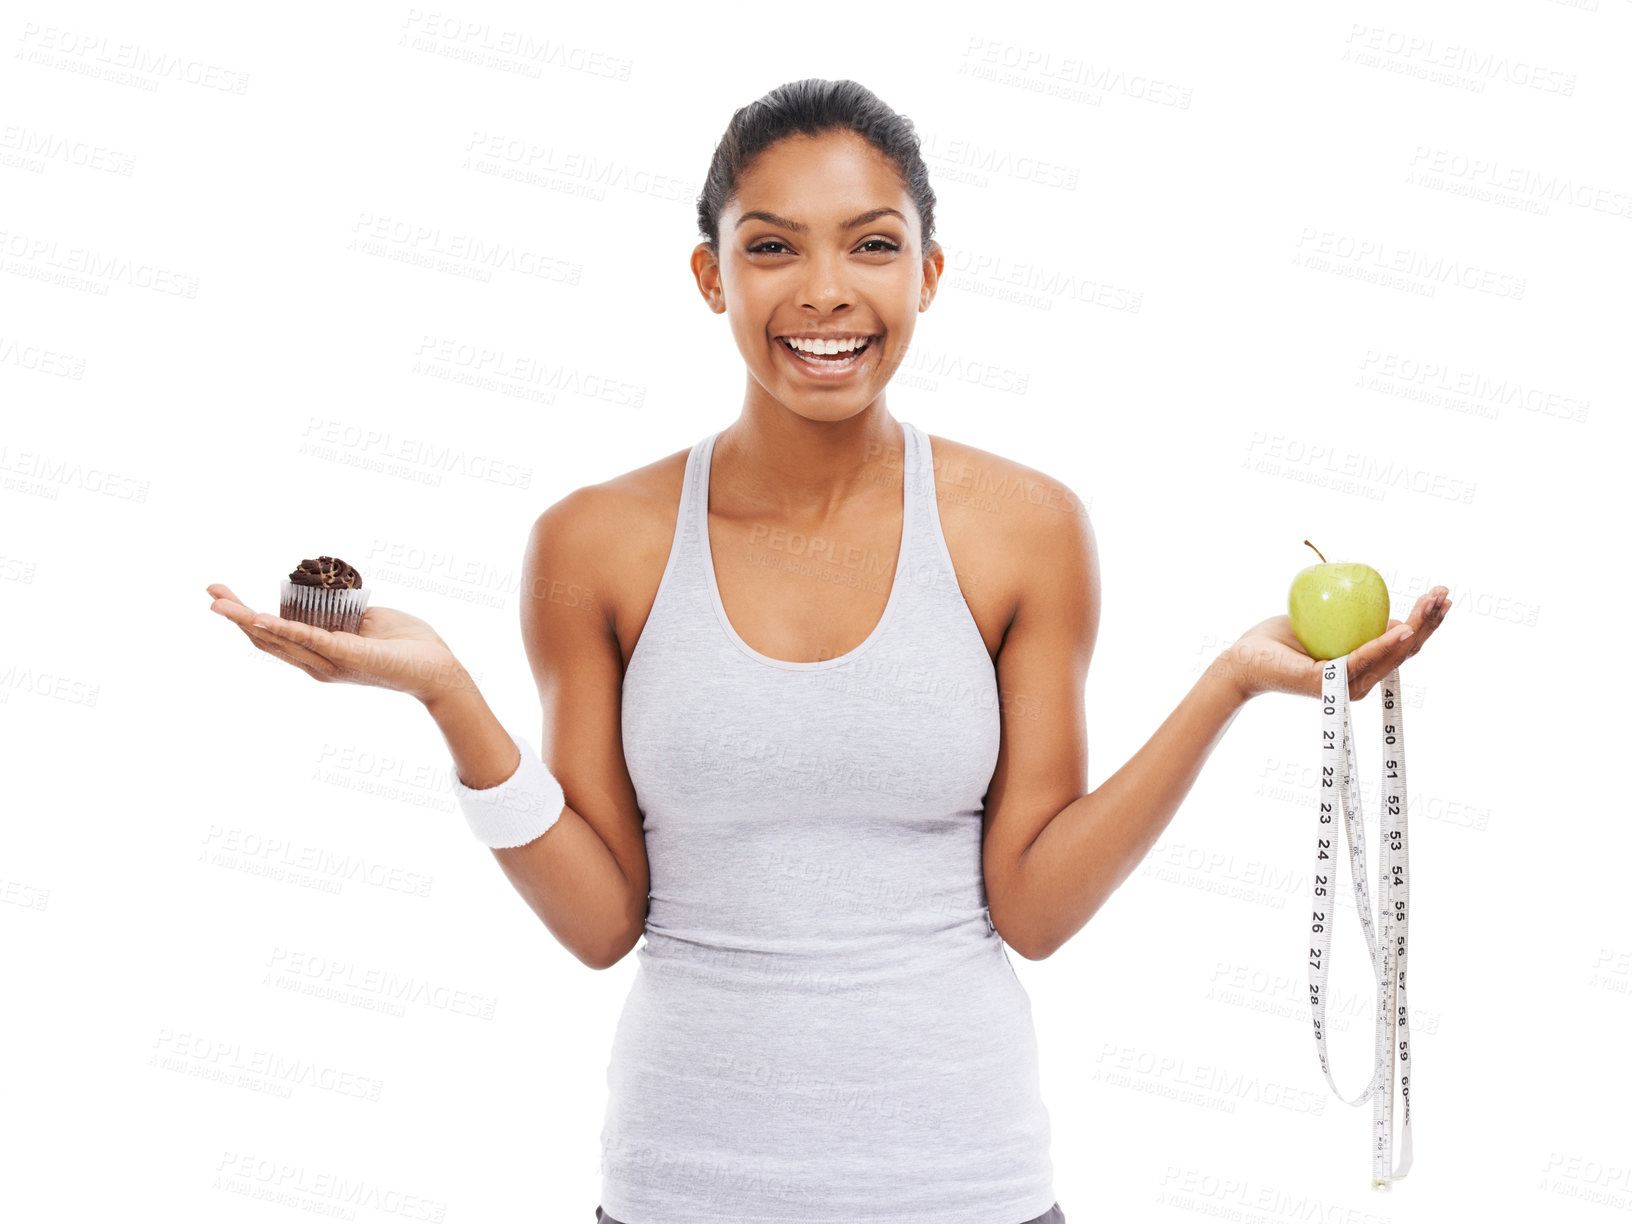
(1318,553)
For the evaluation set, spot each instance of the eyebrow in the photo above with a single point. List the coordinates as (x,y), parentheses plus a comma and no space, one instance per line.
(800,228)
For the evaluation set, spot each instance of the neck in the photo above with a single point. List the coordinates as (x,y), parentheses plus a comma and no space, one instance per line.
(802,469)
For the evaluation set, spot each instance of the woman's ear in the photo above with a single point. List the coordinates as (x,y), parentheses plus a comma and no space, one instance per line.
(706,268)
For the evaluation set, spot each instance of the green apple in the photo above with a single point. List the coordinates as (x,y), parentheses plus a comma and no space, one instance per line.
(1337,606)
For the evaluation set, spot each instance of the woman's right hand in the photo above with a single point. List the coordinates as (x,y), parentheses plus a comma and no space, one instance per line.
(391,650)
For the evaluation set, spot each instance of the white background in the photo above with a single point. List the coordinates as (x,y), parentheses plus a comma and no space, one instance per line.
(1170,231)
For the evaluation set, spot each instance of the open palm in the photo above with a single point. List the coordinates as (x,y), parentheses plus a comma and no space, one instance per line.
(1269,659)
(391,649)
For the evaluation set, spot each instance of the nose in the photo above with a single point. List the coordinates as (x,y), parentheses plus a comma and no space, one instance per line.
(825,286)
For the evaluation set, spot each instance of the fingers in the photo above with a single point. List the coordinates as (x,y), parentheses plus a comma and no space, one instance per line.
(1370,662)
(274,635)
(301,656)
(293,631)
(1373,661)
(318,646)
(346,655)
(315,666)
(1435,604)
(227,604)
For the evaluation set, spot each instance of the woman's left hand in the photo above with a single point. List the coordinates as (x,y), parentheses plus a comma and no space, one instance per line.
(1268,658)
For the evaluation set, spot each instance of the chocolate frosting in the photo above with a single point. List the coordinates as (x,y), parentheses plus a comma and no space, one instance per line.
(326,572)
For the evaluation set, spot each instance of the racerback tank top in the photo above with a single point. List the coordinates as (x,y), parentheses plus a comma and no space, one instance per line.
(823,1018)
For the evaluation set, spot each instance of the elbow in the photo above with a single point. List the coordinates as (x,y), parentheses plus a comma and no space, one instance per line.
(1024,942)
(1040,946)
(601,958)
(608,955)
(1034,941)
(1046,933)
(1033,950)
(1014,931)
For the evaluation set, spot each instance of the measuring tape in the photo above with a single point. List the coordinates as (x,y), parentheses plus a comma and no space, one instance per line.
(1339,784)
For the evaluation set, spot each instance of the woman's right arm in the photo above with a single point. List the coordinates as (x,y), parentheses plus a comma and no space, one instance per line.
(586,876)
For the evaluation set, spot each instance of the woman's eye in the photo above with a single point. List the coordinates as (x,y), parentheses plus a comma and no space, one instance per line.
(771,242)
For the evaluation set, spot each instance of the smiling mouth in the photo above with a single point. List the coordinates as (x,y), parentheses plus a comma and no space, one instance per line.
(829,361)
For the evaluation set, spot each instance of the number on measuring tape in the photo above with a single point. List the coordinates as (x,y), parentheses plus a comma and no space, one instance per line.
(1339,786)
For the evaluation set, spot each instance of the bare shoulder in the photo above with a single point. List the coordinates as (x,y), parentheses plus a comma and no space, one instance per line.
(991,485)
(1008,526)
(623,508)
(608,539)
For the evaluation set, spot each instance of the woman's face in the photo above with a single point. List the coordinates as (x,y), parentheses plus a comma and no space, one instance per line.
(821,237)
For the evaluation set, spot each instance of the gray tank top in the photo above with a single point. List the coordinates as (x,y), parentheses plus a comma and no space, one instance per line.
(822,1017)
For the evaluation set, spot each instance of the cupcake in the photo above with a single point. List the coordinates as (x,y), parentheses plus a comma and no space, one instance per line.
(327,593)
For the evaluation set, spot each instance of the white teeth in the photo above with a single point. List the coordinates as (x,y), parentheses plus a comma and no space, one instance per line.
(825,346)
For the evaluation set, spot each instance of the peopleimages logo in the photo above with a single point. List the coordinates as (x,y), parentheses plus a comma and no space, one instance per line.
(469,255)
(1043,65)
(57,472)
(1487,178)
(1473,64)
(365,446)
(481,43)
(1202,1084)
(97,55)
(1472,391)
(87,269)
(1314,462)
(1329,250)
(33,148)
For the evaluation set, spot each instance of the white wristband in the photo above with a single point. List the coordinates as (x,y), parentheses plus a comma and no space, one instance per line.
(516,811)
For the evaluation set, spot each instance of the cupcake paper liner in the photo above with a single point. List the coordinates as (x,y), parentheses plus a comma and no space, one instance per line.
(337,609)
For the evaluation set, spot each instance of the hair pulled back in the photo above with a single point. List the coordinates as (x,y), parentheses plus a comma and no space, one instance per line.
(811,107)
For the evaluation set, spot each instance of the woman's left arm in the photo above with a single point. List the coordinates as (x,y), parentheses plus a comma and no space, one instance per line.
(1053,854)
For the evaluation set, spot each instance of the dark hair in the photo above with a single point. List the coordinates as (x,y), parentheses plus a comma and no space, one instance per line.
(813,106)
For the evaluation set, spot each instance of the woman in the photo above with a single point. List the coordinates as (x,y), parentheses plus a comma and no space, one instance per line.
(816,737)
